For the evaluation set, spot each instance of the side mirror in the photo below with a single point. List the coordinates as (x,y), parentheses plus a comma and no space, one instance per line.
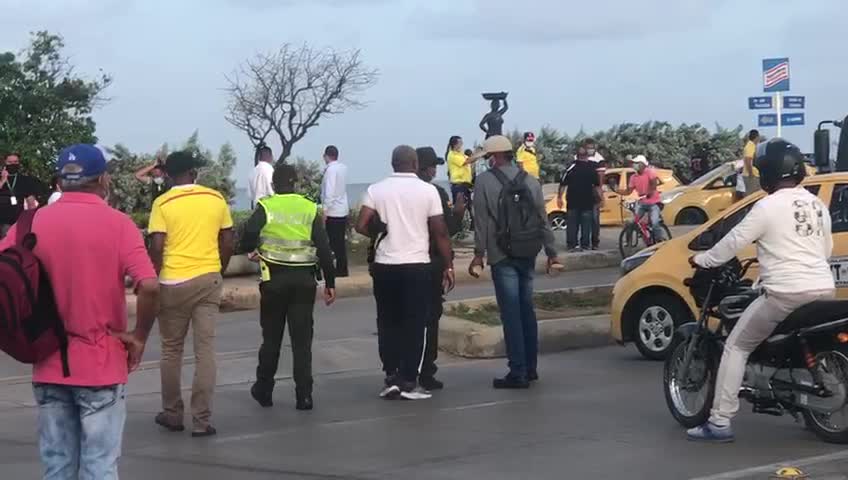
(821,144)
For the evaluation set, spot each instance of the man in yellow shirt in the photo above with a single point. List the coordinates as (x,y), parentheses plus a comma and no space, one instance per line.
(752,184)
(191,235)
(527,157)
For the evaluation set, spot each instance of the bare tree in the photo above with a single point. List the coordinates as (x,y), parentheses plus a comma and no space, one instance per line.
(287,92)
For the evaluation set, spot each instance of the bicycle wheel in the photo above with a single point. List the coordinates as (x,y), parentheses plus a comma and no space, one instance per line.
(630,241)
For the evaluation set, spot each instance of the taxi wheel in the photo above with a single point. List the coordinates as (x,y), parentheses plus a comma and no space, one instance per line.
(559,222)
(691,216)
(656,319)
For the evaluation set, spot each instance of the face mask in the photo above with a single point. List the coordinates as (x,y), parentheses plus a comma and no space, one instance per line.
(158,180)
(13,169)
(590,152)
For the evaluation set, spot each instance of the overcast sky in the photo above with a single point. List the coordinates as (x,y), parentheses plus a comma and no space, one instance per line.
(566,63)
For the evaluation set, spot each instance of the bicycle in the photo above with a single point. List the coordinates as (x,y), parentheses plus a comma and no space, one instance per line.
(638,234)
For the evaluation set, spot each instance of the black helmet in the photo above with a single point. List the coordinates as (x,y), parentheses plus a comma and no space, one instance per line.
(778,159)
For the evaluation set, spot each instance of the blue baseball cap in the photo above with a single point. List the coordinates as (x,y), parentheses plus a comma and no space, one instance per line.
(79,161)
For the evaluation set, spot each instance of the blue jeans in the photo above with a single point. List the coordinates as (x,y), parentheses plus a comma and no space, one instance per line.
(513,279)
(655,217)
(80,430)
(581,221)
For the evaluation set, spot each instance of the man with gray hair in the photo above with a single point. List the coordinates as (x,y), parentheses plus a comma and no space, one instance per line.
(412,213)
(88,248)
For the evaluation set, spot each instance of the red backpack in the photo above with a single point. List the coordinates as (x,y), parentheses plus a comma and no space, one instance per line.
(30,327)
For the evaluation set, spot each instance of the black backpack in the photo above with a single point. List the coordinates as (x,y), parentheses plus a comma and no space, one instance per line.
(520,226)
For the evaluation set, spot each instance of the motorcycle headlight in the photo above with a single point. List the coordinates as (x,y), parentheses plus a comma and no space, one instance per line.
(670,197)
(632,263)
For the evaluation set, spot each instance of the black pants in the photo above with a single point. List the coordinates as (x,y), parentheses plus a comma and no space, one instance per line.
(289,297)
(403,294)
(336,231)
(581,220)
(437,300)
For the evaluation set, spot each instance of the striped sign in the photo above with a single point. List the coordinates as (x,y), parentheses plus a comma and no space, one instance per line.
(776,75)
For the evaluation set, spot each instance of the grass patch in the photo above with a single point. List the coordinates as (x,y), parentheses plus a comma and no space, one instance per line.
(549,305)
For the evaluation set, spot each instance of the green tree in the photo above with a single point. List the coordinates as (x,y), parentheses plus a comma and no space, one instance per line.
(216,172)
(44,104)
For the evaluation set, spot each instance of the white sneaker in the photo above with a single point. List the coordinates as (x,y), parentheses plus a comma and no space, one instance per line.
(416,393)
(391,392)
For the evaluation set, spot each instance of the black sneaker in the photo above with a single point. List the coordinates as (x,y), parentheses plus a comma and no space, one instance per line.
(262,396)
(533,376)
(430,383)
(510,383)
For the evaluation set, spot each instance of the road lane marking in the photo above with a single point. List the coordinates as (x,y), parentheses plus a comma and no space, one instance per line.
(773,467)
(356,421)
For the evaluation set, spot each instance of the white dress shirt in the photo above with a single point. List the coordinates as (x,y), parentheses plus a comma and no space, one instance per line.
(334,190)
(261,184)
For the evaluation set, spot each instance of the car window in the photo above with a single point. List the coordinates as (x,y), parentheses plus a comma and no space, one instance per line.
(839,208)
(611,181)
(721,171)
(717,231)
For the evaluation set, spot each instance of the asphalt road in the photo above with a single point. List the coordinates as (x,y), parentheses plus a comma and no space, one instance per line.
(596,414)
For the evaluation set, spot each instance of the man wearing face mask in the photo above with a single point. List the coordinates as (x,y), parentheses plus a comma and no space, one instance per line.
(154,176)
(527,156)
(18,192)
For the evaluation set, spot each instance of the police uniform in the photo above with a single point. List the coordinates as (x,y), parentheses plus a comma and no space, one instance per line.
(287,232)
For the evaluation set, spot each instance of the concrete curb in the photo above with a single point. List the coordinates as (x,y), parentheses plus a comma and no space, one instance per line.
(472,340)
(242,293)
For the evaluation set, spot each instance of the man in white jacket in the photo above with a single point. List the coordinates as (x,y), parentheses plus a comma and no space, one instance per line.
(792,230)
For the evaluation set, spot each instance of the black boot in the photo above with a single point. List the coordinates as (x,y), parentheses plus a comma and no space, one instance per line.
(510,382)
(262,395)
(304,400)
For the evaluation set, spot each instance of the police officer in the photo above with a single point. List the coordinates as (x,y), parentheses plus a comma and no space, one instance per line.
(287,232)
(427,163)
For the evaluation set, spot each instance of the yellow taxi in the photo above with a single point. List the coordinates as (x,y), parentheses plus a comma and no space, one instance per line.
(706,197)
(650,300)
(613,211)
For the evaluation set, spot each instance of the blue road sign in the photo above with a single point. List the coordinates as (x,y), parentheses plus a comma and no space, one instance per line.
(792,119)
(776,75)
(768,120)
(794,102)
(760,103)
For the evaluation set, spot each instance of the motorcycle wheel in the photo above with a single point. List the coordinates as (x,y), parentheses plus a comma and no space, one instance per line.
(690,399)
(831,427)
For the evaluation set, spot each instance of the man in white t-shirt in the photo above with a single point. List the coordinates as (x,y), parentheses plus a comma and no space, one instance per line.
(411,211)
(792,230)
(261,183)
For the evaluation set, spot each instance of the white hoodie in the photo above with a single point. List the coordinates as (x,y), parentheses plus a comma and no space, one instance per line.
(792,230)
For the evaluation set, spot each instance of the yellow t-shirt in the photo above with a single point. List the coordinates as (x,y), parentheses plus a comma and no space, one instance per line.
(457,169)
(750,151)
(529,161)
(191,217)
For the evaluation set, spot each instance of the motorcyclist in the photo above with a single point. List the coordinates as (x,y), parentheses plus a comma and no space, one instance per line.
(792,230)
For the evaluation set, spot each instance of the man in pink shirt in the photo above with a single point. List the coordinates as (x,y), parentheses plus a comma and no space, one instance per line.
(87,248)
(645,182)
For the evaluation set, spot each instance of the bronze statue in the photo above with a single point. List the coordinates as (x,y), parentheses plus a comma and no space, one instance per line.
(492,122)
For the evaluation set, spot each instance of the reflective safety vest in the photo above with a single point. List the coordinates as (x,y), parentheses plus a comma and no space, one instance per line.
(286,238)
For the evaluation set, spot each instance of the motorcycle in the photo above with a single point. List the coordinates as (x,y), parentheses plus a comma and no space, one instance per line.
(800,370)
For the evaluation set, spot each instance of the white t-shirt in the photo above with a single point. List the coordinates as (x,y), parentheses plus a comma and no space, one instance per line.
(793,233)
(261,184)
(334,190)
(405,204)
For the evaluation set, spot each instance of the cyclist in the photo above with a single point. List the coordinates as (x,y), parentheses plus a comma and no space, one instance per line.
(646,182)
(792,229)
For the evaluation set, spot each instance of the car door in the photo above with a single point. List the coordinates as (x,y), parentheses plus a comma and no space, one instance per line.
(611,211)
(838,206)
